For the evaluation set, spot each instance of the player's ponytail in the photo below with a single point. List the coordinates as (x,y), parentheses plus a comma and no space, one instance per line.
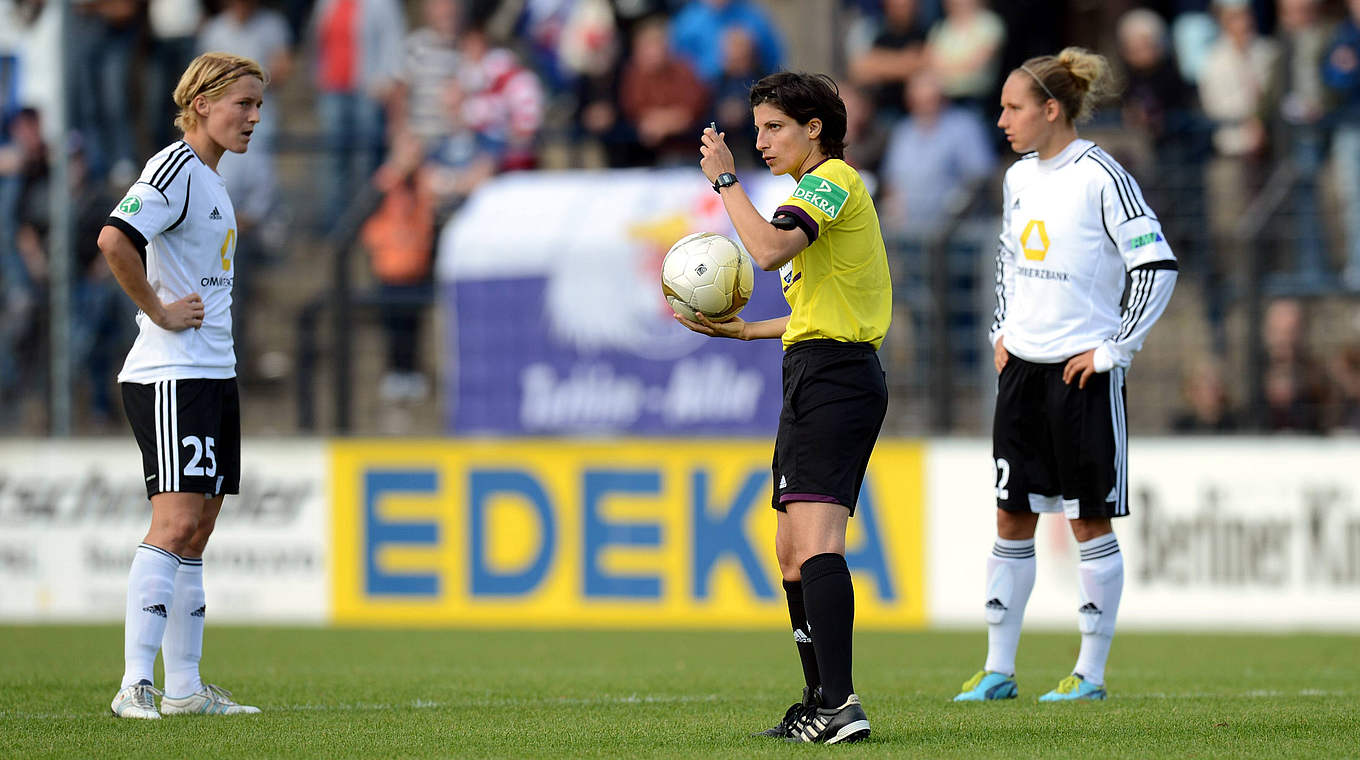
(1077,78)
(210,75)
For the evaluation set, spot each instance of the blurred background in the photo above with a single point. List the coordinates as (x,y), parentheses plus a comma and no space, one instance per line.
(461,388)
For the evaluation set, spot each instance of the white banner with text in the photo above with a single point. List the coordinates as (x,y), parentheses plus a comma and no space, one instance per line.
(73,512)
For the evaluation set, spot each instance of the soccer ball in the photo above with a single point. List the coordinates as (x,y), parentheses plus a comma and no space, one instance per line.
(707,273)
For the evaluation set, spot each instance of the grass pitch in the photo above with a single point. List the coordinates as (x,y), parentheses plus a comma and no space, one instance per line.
(464,694)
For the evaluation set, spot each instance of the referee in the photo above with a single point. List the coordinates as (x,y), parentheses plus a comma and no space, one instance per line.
(826,243)
(1075,228)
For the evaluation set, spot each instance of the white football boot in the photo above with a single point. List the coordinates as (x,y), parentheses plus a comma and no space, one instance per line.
(136,701)
(212,700)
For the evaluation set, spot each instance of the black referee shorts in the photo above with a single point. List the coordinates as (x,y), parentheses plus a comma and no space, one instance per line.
(1058,448)
(835,396)
(189,432)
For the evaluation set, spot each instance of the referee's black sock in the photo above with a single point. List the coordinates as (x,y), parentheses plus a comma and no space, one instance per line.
(793,590)
(830,601)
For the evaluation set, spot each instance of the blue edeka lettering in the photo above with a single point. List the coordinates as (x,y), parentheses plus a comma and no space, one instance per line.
(718,534)
(600,534)
(721,533)
(869,556)
(380,532)
(483,486)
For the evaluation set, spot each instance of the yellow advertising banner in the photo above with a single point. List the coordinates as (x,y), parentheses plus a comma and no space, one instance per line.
(631,533)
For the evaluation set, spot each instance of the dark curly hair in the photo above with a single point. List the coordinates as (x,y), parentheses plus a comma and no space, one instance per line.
(805,97)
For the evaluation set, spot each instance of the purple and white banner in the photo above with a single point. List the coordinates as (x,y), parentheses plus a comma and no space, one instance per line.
(554,319)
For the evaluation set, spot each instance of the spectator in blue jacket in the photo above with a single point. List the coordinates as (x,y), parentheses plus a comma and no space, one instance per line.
(697,33)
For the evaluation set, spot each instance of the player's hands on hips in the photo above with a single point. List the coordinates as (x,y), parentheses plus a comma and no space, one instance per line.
(1000,355)
(182,314)
(1080,366)
(732,328)
(716,158)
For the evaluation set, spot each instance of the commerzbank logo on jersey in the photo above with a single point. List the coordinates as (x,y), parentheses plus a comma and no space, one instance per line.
(1034,240)
(822,194)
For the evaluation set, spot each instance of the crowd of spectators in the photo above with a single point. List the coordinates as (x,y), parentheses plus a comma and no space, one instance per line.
(423,100)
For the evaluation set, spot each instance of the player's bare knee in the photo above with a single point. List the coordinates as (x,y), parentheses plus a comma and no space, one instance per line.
(196,545)
(1016,526)
(1085,529)
(174,533)
(811,549)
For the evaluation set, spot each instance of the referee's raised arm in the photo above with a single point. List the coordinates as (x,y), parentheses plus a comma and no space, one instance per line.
(770,247)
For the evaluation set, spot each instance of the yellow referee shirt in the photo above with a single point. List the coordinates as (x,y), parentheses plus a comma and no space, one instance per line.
(838,287)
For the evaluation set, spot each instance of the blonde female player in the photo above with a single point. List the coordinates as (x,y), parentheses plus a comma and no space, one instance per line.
(826,243)
(1075,227)
(171,244)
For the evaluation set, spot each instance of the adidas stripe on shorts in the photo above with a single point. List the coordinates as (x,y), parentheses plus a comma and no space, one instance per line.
(189,432)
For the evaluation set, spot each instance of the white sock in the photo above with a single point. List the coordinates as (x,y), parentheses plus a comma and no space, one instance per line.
(1101,581)
(184,631)
(151,589)
(1010,579)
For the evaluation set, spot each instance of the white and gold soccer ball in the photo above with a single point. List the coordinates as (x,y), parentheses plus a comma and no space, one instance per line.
(707,273)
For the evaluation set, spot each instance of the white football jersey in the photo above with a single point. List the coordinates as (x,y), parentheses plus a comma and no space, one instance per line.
(178,212)
(1073,226)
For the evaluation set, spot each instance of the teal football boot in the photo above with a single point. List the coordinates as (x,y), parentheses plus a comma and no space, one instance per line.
(986,686)
(1073,688)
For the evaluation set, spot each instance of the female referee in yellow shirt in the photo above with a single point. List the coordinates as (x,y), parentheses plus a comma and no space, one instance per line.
(826,243)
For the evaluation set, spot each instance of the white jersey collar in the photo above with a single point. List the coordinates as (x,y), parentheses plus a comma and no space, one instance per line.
(1066,156)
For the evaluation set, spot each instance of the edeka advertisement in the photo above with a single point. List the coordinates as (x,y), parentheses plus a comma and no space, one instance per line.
(73,512)
(554,319)
(667,533)
(1250,533)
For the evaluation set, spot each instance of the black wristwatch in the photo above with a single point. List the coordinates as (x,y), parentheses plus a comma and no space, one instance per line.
(726,179)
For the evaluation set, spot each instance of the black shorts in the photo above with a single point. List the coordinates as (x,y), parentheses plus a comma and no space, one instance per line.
(835,396)
(189,432)
(1058,448)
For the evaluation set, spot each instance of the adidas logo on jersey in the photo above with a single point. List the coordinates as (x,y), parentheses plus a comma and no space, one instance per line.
(800,637)
(215,215)
(155,609)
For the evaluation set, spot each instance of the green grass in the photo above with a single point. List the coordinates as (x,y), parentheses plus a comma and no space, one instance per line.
(438,693)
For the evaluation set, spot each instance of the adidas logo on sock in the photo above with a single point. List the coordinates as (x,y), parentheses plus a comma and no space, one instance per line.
(995,604)
(800,637)
(215,215)
(155,609)
(200,612)
(1089,608)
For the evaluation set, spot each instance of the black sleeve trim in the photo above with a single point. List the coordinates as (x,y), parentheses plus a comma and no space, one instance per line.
(189,185)
(1171,264)
(132,233)
(785,220)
